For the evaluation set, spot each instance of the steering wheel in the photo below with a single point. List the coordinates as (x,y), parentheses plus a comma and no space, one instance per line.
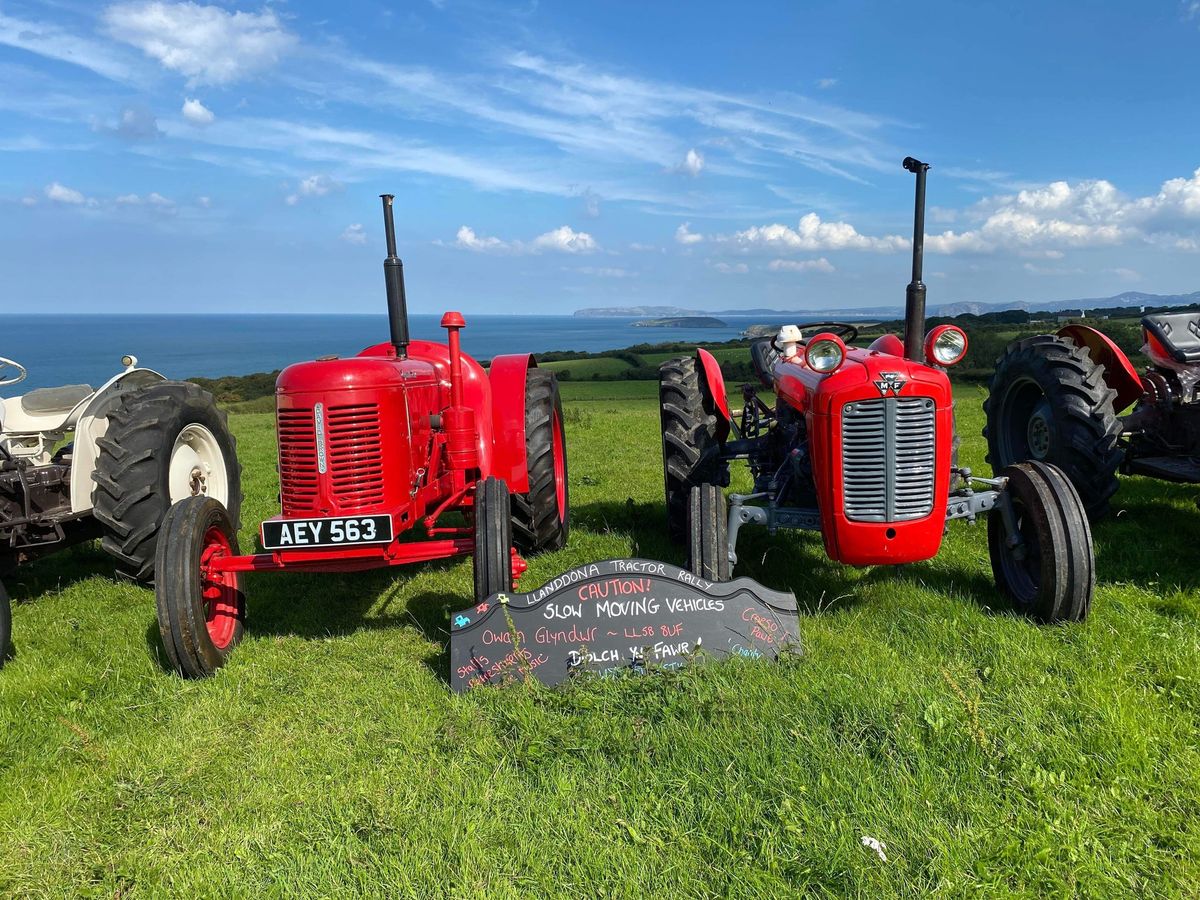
(844,330)
(10,364)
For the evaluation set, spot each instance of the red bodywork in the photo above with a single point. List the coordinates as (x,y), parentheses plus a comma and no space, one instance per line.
(1119,373)
(406,437)
(822,399)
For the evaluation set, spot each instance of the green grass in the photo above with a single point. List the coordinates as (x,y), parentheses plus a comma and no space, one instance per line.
(601,366)
(991,755)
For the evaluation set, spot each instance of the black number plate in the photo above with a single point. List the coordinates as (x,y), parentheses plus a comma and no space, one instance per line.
(302,534)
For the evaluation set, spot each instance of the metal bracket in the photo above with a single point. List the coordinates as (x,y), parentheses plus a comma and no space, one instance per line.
(774,517)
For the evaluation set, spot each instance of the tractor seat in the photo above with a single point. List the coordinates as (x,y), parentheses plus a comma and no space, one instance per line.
(50,401)
(1179,333)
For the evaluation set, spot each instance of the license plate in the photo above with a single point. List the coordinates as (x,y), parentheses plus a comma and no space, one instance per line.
(302,534)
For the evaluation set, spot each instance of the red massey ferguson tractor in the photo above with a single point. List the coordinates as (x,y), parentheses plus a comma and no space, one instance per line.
(1056,398)
(860,445)
(375,453)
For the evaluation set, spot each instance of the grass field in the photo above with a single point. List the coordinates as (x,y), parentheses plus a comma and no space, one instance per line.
(990,755)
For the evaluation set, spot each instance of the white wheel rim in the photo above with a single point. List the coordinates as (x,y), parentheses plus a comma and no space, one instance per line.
(198,466)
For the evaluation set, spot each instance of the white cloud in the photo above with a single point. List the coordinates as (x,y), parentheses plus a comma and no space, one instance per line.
(605,272)
(684,235)
(313,186)
(52,42)
(566,240)
(692,163)
(813,234)
(207,44)
(136,123)
(196,112)
(731,268)
(1126,274)
(204,202)
(826,83)
(29,201)
(355,234)
(60,193)
(1051,270)
(561,240)
(802,265)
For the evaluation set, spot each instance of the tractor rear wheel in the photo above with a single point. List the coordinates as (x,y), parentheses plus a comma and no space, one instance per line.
(691,450)
(5,625)
(201,614)
(164,443)
(1048,402)
(708,514)
(541,517)
(492,561)
(1052,575)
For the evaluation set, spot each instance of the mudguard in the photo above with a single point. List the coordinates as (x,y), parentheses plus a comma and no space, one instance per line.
(1119,373)
(710,371)
(889,344)
(507,374)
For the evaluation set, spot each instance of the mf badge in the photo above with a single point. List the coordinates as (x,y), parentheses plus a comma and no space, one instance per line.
(890,383)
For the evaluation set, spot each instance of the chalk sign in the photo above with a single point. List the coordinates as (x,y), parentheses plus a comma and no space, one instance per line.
(617,615)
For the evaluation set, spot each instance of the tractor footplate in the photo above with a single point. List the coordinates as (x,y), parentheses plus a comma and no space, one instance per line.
(1167,468)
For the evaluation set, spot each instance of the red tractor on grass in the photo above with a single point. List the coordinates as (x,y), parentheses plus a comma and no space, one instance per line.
(376,452)
(1056,398)
(860,445)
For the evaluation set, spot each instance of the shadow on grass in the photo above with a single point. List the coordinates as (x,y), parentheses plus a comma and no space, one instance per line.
(56,571)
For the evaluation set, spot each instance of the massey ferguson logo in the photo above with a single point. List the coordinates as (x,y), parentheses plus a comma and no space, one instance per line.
(890,383)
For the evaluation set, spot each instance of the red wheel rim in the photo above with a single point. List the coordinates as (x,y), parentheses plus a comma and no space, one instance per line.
(222,599)
(560,467)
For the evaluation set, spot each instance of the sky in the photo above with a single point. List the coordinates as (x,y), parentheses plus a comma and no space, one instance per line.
(547,156)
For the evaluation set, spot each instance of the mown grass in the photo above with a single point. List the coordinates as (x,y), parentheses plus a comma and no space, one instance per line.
(990,755)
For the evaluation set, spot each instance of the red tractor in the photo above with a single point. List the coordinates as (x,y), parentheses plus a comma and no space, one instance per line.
(1056,398)
(860,445)
(376,454)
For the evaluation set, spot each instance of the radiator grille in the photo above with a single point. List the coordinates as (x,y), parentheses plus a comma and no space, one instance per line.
(355,448)
(888,458)
(297,461)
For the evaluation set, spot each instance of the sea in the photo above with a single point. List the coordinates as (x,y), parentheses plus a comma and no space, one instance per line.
(87,349)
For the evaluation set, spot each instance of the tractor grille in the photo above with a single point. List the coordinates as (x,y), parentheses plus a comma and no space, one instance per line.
(297,461)
(355,444)
(888,458)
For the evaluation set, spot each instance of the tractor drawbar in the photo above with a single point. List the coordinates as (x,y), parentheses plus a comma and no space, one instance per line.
(914,297)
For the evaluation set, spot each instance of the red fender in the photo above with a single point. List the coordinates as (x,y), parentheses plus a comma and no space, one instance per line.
(507,374)
(1119,373)
(710,369)
(887,343)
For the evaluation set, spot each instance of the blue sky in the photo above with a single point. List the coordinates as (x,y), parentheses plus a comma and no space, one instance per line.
(161,156)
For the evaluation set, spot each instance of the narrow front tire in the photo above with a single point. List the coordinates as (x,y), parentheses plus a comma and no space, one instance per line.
(708,517)
(5,625)
(492,561)
(201,612)
(1052,575)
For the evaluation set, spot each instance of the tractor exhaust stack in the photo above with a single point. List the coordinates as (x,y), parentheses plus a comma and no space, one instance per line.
(393,277)
(914,297)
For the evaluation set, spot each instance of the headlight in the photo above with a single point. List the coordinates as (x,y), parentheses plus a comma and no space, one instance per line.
(945,345)
(825,352)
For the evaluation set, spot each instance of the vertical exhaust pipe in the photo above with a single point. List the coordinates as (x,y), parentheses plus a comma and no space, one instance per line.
(393,278)
(914,296)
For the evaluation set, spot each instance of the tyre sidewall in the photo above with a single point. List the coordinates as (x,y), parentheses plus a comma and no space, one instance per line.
(492,558)
(5,626)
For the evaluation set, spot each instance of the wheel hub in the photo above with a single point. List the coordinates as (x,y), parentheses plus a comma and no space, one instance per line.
(1038,435)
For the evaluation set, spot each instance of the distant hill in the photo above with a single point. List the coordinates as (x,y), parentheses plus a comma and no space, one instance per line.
(1126,299)
(681,322)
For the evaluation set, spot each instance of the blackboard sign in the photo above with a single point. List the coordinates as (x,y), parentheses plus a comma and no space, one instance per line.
(617,615)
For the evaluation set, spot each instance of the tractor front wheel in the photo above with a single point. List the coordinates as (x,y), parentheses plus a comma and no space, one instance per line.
(690,447)
(201,613)
(1048,402)
(1047,568)
(492,561)
(708,516)
(541,517)
(5,625)
(164,443)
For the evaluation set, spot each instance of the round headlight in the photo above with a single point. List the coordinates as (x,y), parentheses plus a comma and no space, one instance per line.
(946,345)
(824,353)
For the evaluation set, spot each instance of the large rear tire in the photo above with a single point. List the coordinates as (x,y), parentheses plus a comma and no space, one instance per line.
(5,625)
(201,614)
(541,518)
(1055,579)
(1048,403)
(164,443)
(691,450)
(708,516)
(492,561)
